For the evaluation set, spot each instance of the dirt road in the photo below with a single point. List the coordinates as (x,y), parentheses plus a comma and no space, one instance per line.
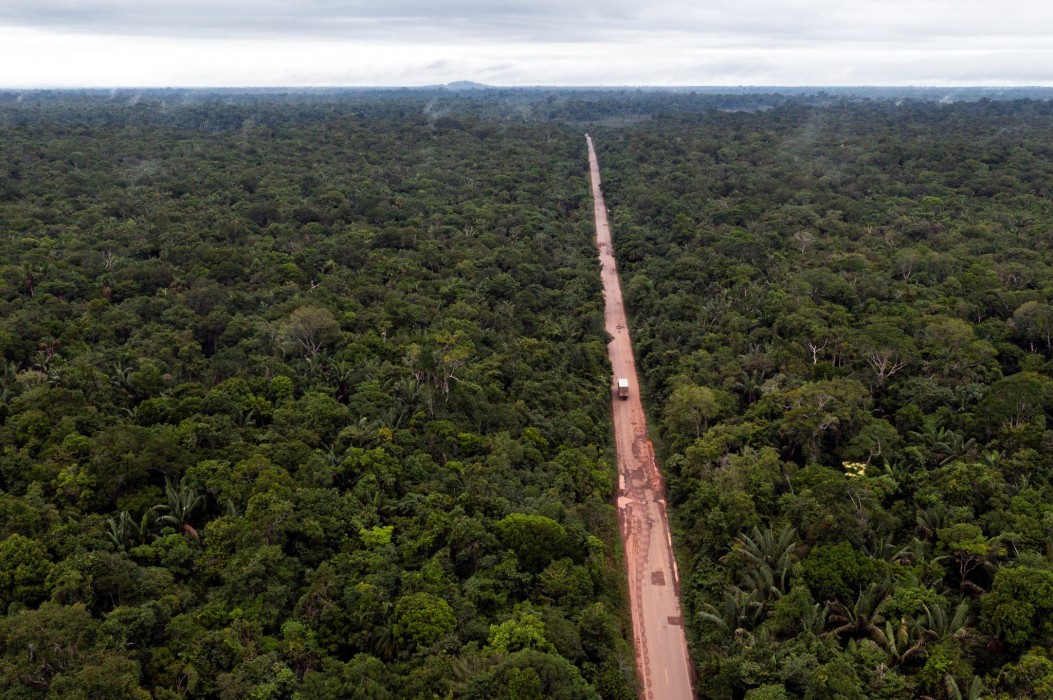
(662,661)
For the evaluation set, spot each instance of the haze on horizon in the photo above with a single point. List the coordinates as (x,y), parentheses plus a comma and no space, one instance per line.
(249,43)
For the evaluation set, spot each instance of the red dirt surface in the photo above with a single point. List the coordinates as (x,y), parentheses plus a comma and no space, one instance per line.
(662,661)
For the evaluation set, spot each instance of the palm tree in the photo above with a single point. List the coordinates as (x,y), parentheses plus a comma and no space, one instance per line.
(864,617)
(363,433)
(761,580)
(992,458)
(954,692)
(182,502)
(125,533)
(316,366)
(122,376)
(931,519)
(882,547)
(957,447)
(341,375)
(945,445)
(383,641)
(771,557)
(740,611)
(814,620)
(905,641)
(749,384)
(938,624)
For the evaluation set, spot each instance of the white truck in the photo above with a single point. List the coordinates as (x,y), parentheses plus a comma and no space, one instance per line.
(623,388)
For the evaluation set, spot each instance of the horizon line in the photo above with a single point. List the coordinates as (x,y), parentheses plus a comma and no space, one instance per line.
(469,85)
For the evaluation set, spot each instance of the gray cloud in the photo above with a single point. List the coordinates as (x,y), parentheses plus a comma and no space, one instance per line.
(462,19)
(781,21)
(696,42)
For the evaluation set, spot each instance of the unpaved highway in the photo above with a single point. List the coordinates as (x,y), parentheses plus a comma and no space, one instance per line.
(662,661)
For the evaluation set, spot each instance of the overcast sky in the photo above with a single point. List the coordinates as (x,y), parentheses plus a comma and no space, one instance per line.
(108,43)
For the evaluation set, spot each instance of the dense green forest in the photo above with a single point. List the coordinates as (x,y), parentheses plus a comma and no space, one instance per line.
(305,395)
(301,399)
(843,314)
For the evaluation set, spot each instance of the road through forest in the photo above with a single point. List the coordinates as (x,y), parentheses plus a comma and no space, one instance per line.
(662,661)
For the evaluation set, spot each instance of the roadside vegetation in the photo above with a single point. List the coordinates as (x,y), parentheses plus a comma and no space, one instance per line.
(843,318)
(301,399)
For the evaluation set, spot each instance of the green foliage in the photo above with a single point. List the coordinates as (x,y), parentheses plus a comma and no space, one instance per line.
(1018,609)
(308,330)
(24,569)
(58,648)
(768,692)
(1031,676)
(378,536)
(691,408)
(836,680)
(535,539)
(868,283)
(531,674)
(836,571)
(275,368)
(422,619)
(524,632)
(818,410)
(273,372)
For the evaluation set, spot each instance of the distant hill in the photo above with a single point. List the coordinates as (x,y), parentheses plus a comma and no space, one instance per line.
(467,85)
